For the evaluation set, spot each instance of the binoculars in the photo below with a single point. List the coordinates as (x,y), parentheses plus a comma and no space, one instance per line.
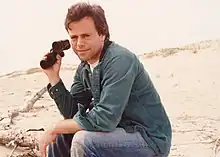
(57,48)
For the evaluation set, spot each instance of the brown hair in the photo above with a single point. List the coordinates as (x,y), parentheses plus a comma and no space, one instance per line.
(80,10)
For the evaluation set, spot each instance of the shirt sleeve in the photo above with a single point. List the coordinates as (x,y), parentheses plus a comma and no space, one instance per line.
(119,75)
(67,101)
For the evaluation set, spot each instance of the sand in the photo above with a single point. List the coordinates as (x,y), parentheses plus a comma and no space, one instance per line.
(186,78)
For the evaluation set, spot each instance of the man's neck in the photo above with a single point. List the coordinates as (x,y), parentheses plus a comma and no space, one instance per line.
(97,57)
(93,61)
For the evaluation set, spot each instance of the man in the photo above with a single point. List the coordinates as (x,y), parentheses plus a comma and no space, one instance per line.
(112,108)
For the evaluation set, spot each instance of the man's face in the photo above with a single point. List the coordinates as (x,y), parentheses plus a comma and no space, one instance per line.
(85,40)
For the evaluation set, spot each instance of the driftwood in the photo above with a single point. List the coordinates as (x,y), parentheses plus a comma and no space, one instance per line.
(10,138)
(26,139)
(30,103)
(18,138)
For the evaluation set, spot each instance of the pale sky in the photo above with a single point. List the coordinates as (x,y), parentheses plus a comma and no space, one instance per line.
(28,27)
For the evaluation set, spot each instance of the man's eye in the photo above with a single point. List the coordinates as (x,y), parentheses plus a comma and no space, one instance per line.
(86,36)
(74,38)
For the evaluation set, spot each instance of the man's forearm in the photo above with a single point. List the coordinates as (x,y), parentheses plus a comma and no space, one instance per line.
(67,126)
(65,102)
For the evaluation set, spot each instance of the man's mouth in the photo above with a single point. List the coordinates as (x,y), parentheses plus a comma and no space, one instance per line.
(82,50)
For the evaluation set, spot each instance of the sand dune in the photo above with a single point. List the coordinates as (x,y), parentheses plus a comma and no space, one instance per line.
(187,79)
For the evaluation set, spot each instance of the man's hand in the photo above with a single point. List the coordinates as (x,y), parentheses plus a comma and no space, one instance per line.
(47,138)
(67,126)
(53,72)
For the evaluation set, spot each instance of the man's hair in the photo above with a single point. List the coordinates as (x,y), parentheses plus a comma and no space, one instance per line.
(80,10)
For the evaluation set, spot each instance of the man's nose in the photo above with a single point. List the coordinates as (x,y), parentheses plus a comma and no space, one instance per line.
(80,42)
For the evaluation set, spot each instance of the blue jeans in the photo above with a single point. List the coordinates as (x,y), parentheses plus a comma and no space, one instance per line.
(100,144)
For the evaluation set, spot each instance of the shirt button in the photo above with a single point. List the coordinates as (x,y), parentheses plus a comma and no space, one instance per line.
(56,90)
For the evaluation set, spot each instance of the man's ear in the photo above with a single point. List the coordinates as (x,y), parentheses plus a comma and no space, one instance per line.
(103,37)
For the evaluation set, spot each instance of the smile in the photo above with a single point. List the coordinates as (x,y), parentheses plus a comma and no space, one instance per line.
(82,50)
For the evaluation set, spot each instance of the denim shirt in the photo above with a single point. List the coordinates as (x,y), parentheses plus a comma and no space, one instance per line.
(119,93)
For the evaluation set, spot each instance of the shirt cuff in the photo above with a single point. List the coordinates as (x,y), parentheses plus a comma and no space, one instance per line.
(56,90)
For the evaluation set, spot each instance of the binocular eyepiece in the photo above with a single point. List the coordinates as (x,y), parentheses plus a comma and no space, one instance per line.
(57,48)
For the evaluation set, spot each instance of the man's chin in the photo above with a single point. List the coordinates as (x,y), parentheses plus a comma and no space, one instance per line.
(83,58)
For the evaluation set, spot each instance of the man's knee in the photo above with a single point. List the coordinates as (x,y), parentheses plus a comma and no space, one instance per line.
(77,146)
(81,143)
(79,137)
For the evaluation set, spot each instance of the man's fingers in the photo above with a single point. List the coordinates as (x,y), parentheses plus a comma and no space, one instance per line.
(59,59)
(43,151)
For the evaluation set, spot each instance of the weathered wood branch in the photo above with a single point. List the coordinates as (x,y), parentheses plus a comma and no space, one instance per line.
(10,138)
(20,138)
(17,138)
(30,103)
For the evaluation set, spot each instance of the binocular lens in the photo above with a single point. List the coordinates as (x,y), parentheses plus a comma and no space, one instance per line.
(61,45)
